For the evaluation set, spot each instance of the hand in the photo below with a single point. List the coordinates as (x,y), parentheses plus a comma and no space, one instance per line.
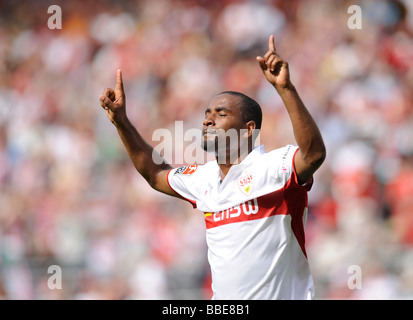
(114,101)
(274,67)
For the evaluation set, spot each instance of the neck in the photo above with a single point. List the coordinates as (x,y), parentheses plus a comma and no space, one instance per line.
(228,159)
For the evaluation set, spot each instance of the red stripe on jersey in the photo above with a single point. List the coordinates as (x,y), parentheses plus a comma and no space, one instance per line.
(258,208)
(292,191)
(291,199)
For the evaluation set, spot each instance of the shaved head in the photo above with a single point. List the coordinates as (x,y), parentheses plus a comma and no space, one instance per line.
(250,109)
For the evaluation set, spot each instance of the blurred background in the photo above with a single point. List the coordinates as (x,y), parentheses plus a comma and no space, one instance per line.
(69,195)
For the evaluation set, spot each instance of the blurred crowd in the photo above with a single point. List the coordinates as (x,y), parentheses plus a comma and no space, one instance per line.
(70,197)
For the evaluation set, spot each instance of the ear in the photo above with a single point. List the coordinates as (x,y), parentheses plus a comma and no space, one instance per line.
(250,126)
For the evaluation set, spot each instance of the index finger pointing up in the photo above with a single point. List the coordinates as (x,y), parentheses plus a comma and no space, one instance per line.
(271,45)
(119,82)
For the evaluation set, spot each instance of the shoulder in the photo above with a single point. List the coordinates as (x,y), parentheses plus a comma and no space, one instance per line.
(278,163)
(283,151)
(281,156)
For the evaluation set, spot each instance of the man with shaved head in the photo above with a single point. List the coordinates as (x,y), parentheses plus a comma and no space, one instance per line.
(254,202)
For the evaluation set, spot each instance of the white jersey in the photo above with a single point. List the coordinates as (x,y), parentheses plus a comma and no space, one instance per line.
(255,224)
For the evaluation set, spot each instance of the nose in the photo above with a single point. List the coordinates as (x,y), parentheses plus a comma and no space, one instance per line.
(208,121)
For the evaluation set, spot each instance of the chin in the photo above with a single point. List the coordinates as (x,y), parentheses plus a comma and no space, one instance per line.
(209,143)
(209,146)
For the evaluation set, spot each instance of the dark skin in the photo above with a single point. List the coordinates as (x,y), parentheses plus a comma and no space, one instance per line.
(224,113)
(312,152)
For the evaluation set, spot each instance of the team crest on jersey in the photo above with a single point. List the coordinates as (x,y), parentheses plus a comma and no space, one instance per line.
(245,183)
(187,169)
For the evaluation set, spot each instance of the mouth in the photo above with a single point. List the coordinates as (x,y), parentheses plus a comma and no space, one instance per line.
(209,132)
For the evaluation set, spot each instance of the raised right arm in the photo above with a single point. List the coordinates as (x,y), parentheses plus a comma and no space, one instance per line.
(139,151)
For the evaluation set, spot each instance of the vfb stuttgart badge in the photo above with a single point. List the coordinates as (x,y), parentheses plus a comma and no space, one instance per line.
(244,184)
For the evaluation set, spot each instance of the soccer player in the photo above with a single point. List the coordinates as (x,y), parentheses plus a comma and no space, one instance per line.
(254,202)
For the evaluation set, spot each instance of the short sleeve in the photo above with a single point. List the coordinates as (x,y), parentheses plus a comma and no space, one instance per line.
(186,182)
(285,169)
(283,162)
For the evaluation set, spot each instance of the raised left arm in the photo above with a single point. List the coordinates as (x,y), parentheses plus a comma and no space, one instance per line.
(312,151)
